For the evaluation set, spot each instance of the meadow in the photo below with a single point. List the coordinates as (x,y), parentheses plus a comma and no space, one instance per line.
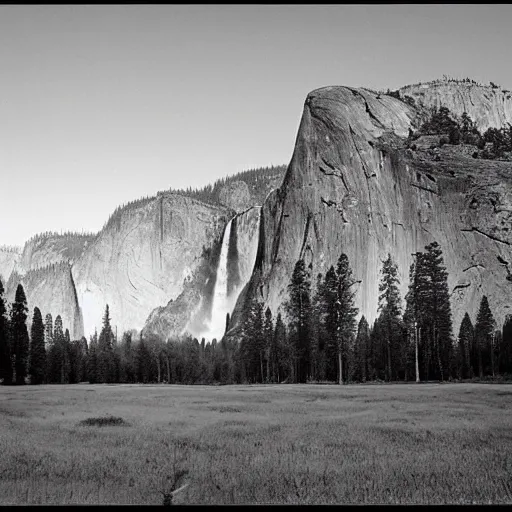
(261,444)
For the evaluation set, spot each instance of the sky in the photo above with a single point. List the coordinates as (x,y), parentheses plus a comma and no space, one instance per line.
(100,105)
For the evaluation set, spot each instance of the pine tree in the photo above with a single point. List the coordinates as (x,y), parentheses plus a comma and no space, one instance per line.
(506,346)
(129,358)
(390,310)
(280,342)
(143,363)
(92,361)
(5,352)
(361,350)
(268,335)
(299,312)
(318,362)
(66,357)
(19,335)
(466,348)
(430,305)
(37,357)
(253,344)
(57,355)
(484,330)
(105,368)
(48,330)
(413,316)
(345,311)
(329,321)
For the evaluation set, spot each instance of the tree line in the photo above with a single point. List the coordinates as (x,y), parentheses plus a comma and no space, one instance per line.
(316,339)
(493,144)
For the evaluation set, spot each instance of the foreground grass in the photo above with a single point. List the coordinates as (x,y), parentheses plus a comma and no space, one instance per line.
(123,444)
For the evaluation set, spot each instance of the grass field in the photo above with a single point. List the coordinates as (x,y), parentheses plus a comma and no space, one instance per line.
(426,444)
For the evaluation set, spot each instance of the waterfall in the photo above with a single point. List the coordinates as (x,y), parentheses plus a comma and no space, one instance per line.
(245,238)
(221,303)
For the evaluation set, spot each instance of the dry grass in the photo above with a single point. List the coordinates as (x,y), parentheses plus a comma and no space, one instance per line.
(322,444)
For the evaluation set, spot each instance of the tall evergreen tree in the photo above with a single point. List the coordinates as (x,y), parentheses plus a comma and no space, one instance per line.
(466,348)
(506,346)
(390,310)
(253,343)
(440,308)
(484,330)
(268,335)
(105,364)
(280,342)
(299,312)
(329,322)
(361,350)
(345,311)
(143,363)
(19,335)
(37,356)
(5,352)
(92,360)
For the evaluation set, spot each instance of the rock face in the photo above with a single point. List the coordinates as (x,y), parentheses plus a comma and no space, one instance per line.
(9,260)
(487,106)
(43,250)
(214,288)
(143,257)
(52,289)
(353,187)
(236,195)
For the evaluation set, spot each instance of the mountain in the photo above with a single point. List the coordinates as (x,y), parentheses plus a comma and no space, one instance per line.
(182,260)
(151,252)
(353,185)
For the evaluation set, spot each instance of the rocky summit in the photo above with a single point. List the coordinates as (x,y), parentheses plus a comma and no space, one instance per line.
(354,186)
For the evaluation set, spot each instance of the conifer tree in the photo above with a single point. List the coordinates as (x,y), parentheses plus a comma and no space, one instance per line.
(299,312)
(329,321)
(105,364)
(83,351)
(56,354)
(19,335)
(390,310)
(361,350)
(280,342)
(252,341)
(66,357)
(506,346)
(345,311)
(128,358)
(92,361)
(439,307)
(318,362)
(5,352)
(143,362)
(268,335)
(37,356)
(484,330)
(48,330)
(466,348)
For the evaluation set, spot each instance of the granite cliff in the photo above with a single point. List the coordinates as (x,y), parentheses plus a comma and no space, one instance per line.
(353,186)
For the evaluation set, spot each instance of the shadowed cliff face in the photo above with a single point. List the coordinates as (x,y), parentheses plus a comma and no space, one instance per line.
(352,187)
(51,289)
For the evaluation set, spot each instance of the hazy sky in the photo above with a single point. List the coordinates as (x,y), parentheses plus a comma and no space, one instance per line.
(100,105)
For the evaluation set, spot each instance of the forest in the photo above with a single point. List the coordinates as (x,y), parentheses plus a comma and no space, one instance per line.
(316,338)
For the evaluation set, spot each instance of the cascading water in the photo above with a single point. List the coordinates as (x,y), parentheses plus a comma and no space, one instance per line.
(224,300)
(221,305)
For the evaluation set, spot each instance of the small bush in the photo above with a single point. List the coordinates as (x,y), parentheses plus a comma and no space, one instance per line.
(107,421)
